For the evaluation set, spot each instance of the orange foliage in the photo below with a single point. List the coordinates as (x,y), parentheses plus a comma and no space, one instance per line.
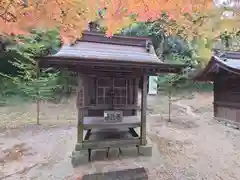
(72,16)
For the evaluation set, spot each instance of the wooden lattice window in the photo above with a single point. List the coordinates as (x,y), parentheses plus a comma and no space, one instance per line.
(112,91)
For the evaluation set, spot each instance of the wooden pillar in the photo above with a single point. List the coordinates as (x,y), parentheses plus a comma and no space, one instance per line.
(80,107)
(144,110)
(37,90)
(136,88)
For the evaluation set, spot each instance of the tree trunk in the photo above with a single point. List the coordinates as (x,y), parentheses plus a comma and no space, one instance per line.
(38,94)
(169,105)
(38,112)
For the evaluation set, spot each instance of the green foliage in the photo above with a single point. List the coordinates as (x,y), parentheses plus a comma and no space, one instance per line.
(178,83)
(229,41)
(163,43)
(172,83)
(145,29)
(34,86)
(173,49)
(26,80)
(67,83)
(40,42)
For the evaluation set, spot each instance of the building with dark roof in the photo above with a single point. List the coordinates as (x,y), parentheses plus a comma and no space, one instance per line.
(224,71)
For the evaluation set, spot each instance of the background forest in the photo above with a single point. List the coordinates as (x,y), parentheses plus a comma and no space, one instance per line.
(21,80)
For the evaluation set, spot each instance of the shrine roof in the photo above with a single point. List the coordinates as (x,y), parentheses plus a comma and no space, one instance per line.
(100,51)
(228,61)
(119,48)
(95,49)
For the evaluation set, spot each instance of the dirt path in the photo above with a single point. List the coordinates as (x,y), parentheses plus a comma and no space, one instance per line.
(191,147)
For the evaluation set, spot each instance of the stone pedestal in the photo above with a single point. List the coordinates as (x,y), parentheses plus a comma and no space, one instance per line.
(129,151)
(83,156)
(119,149)
(80,157)
(145,150)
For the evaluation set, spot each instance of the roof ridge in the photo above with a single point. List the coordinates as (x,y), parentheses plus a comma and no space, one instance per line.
(98,37)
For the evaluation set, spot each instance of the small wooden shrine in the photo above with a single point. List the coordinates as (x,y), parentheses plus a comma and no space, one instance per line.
(224,71)
(109,71)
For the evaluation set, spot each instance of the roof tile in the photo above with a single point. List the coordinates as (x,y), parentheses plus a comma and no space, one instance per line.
(101,51)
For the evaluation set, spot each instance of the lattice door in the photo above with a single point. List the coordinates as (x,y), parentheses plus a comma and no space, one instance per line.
(112,91)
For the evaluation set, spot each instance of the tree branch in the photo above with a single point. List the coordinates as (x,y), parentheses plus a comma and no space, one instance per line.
(6,15)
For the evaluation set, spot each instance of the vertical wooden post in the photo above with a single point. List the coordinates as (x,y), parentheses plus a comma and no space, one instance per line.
(86,94)
(136,82)
(80,108)
(136,91)
(80,127)
(144,110)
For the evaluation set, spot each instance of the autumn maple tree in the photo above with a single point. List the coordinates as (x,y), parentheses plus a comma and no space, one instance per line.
(73,15)
(198,17)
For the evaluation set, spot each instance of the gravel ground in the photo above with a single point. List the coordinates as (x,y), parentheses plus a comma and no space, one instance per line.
(190,147)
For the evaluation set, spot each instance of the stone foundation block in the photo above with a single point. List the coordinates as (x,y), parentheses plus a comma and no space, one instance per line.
(79,157)
(145,150)
(131,151)
(78,147)
(112,153)
(98,154)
